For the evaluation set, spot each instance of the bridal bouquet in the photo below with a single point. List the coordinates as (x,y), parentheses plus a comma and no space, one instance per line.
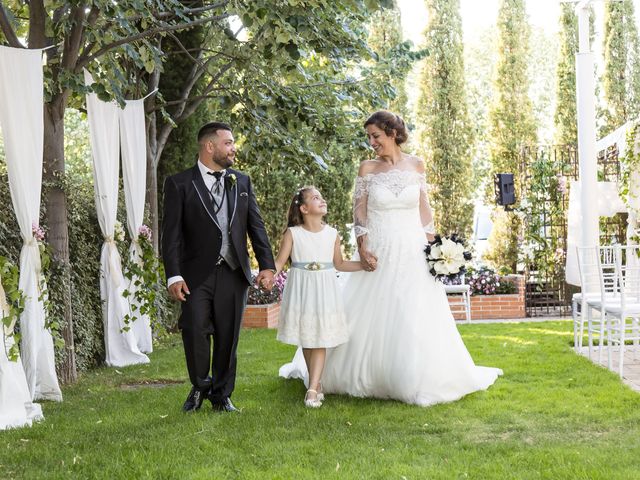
(447,257)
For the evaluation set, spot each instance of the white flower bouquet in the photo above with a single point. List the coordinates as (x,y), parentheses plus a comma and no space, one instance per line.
(447,257)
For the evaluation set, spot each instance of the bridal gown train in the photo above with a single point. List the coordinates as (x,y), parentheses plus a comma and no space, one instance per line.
(403,341)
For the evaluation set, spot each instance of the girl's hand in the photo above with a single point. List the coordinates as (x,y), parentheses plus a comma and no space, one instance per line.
(368,260)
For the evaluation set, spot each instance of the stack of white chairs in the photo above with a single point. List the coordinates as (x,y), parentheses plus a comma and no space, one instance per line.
(616,269)
(623,312)
(590,261)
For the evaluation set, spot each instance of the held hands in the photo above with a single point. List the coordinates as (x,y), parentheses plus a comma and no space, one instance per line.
(265,279)
(178,291)
(368,260)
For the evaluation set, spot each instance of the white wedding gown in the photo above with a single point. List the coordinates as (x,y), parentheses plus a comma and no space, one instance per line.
(403,341)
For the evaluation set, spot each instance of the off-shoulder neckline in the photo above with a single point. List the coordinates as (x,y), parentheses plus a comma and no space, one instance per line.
(393,171)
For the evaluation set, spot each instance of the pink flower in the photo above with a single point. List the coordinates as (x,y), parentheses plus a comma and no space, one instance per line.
(38,232)
(145,231)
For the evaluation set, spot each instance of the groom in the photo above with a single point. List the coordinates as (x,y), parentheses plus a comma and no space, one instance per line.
(208,211)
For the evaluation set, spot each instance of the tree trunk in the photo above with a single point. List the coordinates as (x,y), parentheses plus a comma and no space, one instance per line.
(58,224)
(152,179)
(152,199)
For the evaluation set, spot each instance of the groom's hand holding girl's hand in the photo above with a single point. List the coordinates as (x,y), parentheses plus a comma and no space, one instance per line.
(265,279)
(179,290)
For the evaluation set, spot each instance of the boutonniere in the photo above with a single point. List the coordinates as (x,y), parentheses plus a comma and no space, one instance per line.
(232,179)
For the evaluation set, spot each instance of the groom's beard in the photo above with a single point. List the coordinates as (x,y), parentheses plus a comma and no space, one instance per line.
(225,161)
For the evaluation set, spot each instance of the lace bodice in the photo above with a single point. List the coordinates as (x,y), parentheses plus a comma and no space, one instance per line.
(403,193)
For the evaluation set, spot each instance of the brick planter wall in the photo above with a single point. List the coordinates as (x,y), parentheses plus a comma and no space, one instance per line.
(498,306)
(261,316)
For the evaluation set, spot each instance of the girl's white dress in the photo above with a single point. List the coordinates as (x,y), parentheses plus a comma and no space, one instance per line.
(312,311)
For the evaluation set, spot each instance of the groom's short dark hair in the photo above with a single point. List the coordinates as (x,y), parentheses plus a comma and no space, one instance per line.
(211,129)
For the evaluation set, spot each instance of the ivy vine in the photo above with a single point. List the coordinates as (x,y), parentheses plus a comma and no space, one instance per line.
(10,277)
(145,274)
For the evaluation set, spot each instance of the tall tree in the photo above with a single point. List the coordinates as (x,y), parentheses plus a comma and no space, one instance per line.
(385,39)
(621,78)
(565,118)
(442,114)
(511,121)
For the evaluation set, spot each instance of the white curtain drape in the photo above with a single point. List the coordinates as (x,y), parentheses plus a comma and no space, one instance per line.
(134,173)
(16,408)
(120,345)
(21,120)
(609,203)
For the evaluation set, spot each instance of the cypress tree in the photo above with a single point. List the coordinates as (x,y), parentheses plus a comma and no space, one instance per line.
(621,79)
(442,114)
(511,122)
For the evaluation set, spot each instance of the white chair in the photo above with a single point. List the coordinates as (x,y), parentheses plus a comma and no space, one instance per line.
(589,290)
(609,295)
(624,312)
(459,299)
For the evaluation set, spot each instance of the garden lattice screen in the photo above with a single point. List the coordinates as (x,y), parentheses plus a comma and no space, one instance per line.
(545,175)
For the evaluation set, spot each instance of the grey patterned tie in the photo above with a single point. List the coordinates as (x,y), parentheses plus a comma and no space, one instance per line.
(217,186)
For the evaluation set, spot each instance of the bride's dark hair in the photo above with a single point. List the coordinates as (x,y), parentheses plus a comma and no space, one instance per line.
(294,217)
(390,123)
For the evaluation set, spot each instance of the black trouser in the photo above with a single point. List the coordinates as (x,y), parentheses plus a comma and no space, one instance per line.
(215,309)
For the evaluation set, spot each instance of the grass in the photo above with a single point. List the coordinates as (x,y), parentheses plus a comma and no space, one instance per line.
(552,415)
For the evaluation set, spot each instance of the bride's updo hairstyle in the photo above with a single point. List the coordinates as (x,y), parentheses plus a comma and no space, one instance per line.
(389,122)
(294,217)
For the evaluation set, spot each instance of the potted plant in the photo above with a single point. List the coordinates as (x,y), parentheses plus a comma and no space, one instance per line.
(263,306)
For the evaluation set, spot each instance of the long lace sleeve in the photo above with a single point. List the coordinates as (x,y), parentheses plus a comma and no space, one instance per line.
(426,214)
(360,196)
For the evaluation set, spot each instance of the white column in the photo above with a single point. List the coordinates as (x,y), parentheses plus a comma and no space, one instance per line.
(585,96)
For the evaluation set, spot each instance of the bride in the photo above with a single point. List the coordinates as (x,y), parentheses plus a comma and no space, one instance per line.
(403,341)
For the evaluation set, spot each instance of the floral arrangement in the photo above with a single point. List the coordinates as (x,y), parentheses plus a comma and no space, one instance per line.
(118,232)
(260,296)
(145,232)
(447,257)
(485,281)
(38,232)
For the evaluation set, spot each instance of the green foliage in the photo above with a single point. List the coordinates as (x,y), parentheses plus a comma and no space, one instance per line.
(443,116)
(630,169)
(295,83)
(511,121)
(146,275)
(10,278)
(565,117)
(621,78)
(385,39)
(543,215)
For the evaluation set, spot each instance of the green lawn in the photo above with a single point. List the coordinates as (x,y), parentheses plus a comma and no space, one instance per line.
(552,415)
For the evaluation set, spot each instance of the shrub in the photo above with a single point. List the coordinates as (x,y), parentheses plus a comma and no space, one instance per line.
(260,296)
(485,281)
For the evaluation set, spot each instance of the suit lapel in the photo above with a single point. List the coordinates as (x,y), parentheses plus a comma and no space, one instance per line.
(232,195)
(203,194)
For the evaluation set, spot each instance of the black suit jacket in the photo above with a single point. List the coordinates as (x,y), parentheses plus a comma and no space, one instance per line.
(191,235)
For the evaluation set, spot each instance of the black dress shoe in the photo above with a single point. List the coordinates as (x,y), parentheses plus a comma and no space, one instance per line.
(194,400)
(224,405)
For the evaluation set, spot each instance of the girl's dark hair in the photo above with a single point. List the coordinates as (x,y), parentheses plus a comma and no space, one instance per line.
(294,217)
(389,122)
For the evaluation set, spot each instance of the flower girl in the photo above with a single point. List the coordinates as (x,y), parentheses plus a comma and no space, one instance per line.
(312,312)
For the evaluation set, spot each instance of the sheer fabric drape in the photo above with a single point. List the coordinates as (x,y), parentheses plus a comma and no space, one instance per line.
(120,343)
(21,120)
(134,174)
(16,407)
